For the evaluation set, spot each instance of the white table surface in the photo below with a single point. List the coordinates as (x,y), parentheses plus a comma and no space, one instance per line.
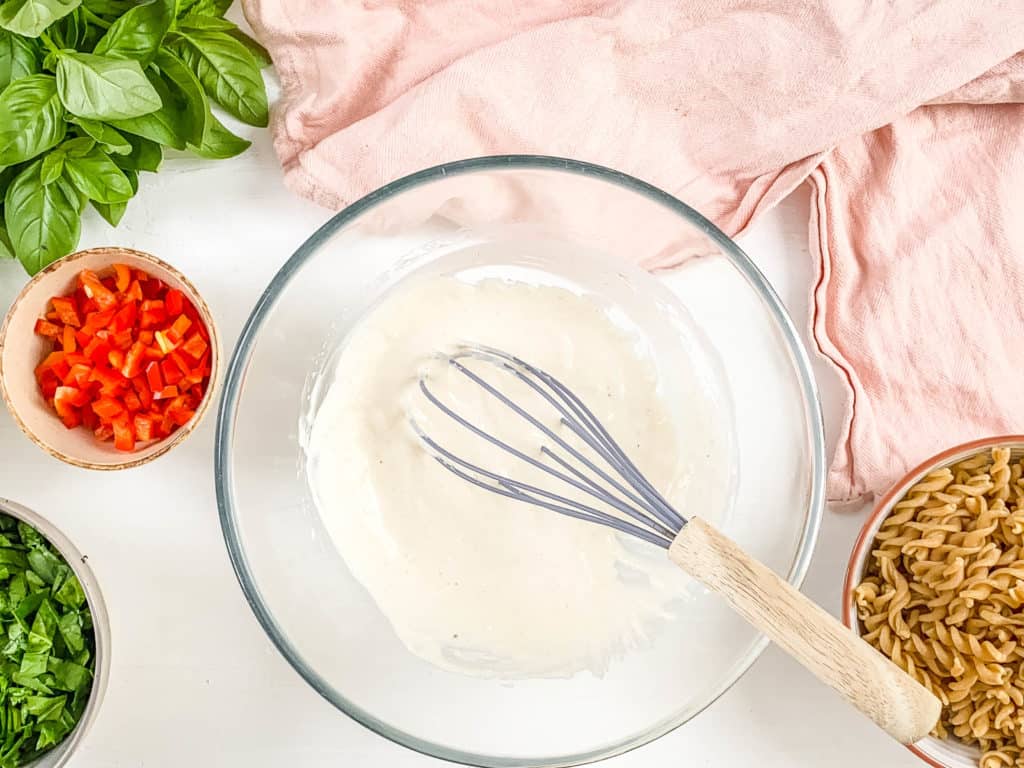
(194,681)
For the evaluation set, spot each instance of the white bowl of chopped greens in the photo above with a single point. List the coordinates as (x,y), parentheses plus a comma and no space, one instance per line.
(54,642)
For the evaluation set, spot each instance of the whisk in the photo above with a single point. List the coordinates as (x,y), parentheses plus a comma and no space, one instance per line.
(584,488)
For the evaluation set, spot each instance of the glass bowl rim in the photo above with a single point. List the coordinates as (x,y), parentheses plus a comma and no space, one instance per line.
(235,376)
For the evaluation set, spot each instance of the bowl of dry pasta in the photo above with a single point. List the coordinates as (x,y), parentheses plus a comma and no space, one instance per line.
(936,582)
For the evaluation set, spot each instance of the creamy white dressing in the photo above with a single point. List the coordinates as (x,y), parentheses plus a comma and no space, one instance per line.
(473,582)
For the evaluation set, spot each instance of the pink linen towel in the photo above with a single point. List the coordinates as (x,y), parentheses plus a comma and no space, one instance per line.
(907,118)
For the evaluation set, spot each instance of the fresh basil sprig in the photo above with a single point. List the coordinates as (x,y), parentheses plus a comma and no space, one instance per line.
(93,91)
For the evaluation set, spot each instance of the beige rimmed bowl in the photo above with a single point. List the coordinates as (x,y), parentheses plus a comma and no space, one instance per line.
(939,753)
(21,350)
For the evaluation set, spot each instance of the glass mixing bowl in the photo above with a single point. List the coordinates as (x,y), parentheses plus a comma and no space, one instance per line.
(323,621)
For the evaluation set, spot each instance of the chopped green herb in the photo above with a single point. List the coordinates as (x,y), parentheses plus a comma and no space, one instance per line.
(46,645)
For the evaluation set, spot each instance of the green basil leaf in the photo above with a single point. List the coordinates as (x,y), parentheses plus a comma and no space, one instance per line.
(229,74)
(44,625)
(19,57)
(189,96)
(29,536)
(43,222)
(70,594)
(218,142)
(139,33)
(31,17)
(112,213)
(67,32)
(164,126)
(67,675)
(51,733)
(146,155)
(105,135)
(203,7)
(6,252)
(33,664)
(45,707)
(104,88)
(31,118)
(259,53)
(41,560)
(214,23)
(98,178)
(80,146)
(70,628)
(110,7)
(52,168)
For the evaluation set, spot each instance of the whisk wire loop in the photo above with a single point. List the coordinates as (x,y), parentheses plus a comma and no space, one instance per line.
(642,503)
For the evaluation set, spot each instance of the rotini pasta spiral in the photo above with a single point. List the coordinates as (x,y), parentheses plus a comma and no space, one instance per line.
(942,597)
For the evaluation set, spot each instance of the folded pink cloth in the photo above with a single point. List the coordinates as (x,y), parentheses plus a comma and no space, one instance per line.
(917,226)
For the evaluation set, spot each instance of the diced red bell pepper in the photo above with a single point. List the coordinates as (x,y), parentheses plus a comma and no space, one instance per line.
(69,343)
(124,434)
(129,360)
(172,374)
(98,321)
(122,339)
(134,292)
(78,375)
(122,277)
(89,418)
(96,290)
(134,360)
(179,328)
(97,349)
(166,393)
(174,302)
(111,381)
(153,376)
(145,394)
(48,383)
(181,363)
(66,311)
(153,288)
(195,346)
(107,408)
(47,329)
(52,359)
(163,343)
(179,410)
(132,402)
(67,401)
(144,425)
(125,318)
(152,313)
(62,368)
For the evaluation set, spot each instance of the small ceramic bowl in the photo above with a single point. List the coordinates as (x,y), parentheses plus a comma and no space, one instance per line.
(62,753)
(940,753)
(21,350)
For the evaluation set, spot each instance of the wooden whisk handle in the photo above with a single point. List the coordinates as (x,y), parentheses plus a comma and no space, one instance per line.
(836,656)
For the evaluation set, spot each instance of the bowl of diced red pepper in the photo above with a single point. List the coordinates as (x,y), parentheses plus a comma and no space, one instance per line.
(108,358)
